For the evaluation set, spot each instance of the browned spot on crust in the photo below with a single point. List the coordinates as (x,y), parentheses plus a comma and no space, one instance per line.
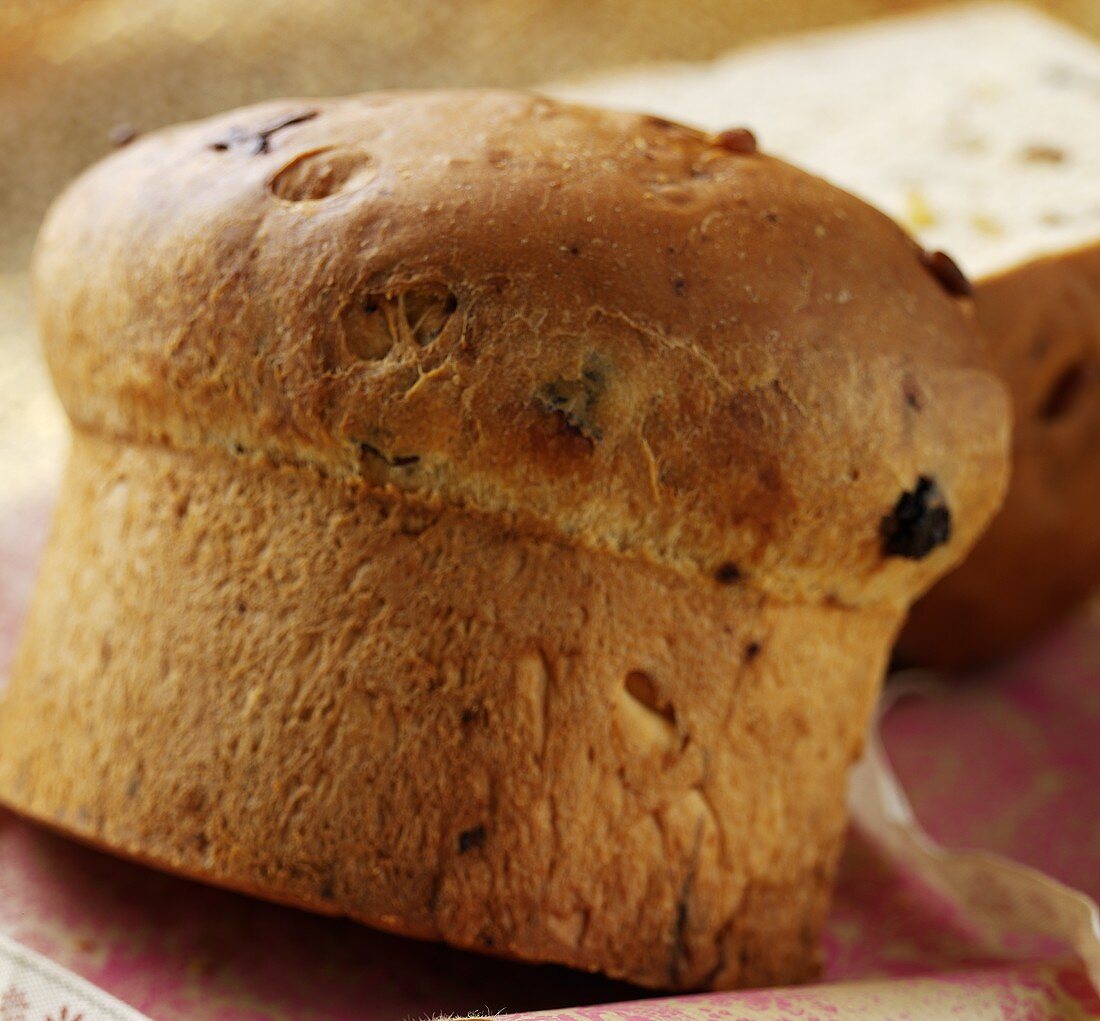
(393,460)
(1063,395)
(122,134)
(258,142)
(661,123)
(727,574)
(738,140)
(574,402)
(471,838)
(946,271)
(1040,153)
(913,397)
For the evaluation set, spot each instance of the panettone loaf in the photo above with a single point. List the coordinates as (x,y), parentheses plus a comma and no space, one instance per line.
(973,125)
(489,519)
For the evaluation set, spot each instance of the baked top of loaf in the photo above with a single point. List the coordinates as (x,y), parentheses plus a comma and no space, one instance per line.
(638,336)
(972,125)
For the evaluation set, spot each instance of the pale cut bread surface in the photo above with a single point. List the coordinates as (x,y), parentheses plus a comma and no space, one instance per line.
(975,127)
(489,519)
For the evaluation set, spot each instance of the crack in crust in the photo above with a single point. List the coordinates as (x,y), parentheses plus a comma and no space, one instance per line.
(258,142)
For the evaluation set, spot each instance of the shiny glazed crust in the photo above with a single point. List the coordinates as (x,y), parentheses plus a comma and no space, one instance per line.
(488,519)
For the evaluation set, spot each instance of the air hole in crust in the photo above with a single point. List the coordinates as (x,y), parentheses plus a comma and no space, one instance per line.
(643,689)
(366,328)
(1063,395)
(372,326)
(321,174)
(426,312)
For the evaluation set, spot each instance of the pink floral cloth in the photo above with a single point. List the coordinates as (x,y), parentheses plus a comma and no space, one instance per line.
(1008,761)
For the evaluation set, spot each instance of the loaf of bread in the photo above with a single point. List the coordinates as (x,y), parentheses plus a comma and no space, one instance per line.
(975,127)
(489,519)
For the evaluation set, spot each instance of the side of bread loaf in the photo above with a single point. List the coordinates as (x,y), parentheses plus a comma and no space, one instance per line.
(434,721)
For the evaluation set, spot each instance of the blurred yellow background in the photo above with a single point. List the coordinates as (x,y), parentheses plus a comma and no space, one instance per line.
(70,70)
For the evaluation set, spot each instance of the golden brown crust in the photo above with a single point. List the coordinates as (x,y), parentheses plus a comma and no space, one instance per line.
(609,322)
(1040,558)
(380,707)
(488,519)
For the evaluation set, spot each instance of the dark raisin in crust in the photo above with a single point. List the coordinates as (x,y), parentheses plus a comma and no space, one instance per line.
(919,523)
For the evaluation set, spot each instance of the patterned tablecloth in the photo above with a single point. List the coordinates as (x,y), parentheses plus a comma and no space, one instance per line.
(1009,761)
